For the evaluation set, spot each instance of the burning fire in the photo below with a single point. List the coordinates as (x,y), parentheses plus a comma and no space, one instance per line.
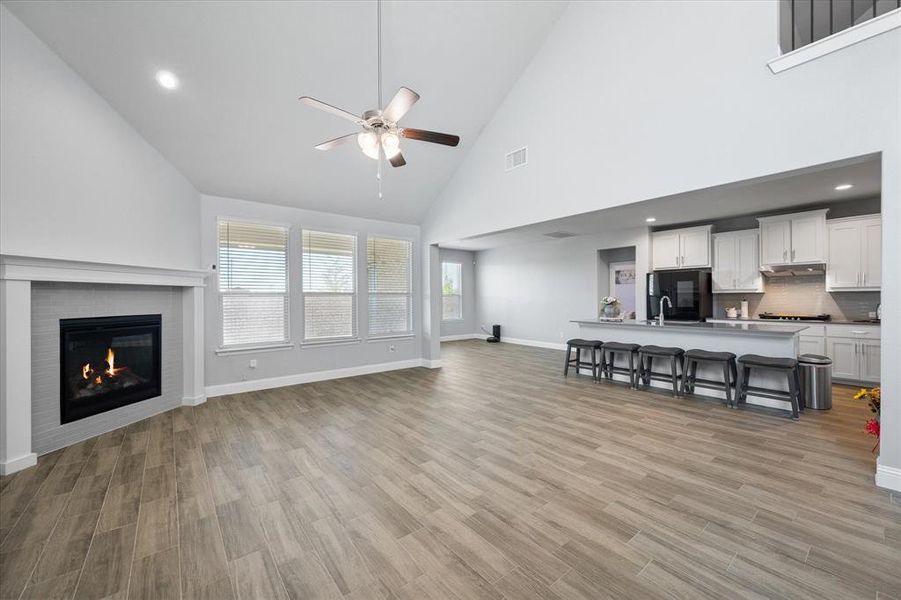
(87,372)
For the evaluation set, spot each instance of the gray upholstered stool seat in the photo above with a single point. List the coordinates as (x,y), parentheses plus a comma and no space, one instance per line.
(646,355)
(726,361)
(696,353)
(787,366)
(593,347)
(652,350)
(768,362)
(609,368)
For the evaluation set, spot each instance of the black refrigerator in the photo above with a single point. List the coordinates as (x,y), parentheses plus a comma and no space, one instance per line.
(689,292)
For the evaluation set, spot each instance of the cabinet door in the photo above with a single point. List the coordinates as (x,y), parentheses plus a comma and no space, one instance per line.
(724,263)
(843,352)
(747,275)
(871,253)
(812,345)
(844,255)
(807,236)
(775,242)
(870,357)
(665,250)
(695,248)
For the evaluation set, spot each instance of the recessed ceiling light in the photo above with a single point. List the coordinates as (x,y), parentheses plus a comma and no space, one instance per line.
(167,79)
(843,187)
(650,219)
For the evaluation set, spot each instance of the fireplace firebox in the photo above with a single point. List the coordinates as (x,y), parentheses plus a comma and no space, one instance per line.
(108,362)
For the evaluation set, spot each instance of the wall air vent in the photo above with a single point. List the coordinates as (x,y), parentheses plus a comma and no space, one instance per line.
(559,235)
(516,158)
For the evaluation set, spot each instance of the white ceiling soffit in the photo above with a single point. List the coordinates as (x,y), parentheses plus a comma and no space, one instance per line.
(235,128)
(785,191)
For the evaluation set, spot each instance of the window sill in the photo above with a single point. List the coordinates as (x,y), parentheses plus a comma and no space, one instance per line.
(837,41)
(388,338)
(334,342)
(252,349)
(460,320)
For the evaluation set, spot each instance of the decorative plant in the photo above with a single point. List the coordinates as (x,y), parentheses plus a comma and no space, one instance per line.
(609,300)
(874,400)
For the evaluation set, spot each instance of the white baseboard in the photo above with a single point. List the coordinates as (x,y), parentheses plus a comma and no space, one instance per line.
(464,336)
(430,364)
(254,385)
(18,464)
(535,343)
(888,477)
(193,400)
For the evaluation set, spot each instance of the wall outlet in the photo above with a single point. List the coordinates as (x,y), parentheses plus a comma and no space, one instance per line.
(872,314)
(253,363)
(243,377)
(392,348)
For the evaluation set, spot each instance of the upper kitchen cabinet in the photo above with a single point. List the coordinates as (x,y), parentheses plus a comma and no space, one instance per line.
(794,239)
(681,248)
(736,262)
(855,254)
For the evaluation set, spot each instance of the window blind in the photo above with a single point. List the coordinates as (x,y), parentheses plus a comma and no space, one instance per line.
(253,283)
(389,266)
(329,285)
(451,291)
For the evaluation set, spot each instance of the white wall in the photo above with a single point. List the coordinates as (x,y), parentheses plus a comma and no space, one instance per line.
(76,180)
(534,290)
(470,322)
(298,363)
(629,101)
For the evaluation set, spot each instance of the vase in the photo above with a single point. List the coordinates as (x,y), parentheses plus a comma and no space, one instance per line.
(609,311)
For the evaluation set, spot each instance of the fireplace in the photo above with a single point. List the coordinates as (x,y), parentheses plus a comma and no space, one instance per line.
(108,362)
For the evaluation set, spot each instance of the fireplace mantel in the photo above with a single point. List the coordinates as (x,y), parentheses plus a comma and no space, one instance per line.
(33,268)
(16,275)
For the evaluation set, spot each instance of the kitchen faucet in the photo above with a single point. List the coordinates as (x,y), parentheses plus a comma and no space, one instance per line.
(660,316)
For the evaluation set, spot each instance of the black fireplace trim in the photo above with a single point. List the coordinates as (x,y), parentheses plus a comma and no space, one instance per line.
(102,404)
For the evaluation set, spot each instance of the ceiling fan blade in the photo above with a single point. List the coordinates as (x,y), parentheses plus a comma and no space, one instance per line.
(403,101)
(330,109)
(336,142)
(430,136)
(397,160)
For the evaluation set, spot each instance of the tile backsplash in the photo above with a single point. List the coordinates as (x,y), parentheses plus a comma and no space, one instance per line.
(800,295)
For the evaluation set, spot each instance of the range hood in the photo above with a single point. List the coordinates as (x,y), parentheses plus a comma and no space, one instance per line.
(793,270)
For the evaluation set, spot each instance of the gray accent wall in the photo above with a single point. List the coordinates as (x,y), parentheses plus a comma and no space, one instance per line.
(51,302)
(470,322)
(534,290)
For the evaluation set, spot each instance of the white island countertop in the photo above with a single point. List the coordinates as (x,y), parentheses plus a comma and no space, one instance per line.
(767,329)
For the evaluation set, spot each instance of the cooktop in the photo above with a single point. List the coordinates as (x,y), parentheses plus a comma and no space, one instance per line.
(787,317)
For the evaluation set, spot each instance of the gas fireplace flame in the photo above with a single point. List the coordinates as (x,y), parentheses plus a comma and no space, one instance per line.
(86,371)
(111,361)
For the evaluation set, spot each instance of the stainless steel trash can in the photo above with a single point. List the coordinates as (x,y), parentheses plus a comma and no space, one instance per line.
(816,381)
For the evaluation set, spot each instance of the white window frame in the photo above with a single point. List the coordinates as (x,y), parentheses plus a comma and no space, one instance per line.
(355,336)
(222,349)
(411,332)
(461,317)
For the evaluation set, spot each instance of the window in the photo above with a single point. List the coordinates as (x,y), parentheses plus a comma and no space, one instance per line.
(253,284)
(390,269)
(329,286)
(451,291)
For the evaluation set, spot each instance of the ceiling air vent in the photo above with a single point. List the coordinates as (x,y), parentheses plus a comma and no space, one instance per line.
(516,158)
(559,235)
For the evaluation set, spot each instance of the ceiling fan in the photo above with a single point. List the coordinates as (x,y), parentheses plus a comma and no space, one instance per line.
(381,135)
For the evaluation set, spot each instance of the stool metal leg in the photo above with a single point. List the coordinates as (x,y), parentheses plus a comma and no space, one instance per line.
(793,390)
(686,369)
(797,374)
(727,385)
(672,365)
(632,375)
(594,365)
(569,351)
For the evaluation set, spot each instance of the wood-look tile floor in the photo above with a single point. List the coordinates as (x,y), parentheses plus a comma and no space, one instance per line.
(493,477)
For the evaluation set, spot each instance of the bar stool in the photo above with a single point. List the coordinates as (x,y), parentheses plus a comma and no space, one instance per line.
(690,372)
(646,356)
(610,367)
(786,366)
(592,346)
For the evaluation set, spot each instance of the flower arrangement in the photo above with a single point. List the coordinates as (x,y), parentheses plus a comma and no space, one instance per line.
(874,400)
(608,306)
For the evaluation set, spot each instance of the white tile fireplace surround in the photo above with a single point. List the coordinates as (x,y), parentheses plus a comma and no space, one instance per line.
(35,293)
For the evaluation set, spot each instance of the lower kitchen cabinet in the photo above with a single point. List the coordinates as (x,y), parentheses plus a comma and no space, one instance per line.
(854,359)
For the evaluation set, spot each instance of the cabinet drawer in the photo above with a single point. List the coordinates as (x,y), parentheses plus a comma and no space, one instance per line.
(813,329)
(861,331)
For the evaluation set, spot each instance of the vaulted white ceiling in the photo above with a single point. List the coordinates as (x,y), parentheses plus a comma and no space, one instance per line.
(235,128)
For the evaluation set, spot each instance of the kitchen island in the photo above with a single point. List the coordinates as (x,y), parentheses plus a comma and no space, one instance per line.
(779,340)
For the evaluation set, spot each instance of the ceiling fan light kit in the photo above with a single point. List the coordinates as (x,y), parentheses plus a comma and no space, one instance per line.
(381,135)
